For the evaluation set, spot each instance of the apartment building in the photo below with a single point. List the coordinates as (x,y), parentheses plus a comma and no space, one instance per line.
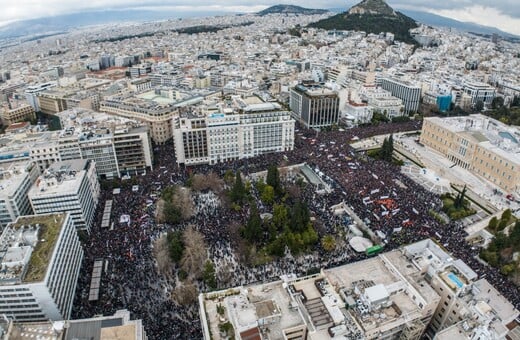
(18,113)
(41,260)
(465,300)
(15,181)
(68,186)
(220,137)
(478,91)
(314,106)
(485,146)
(117,145)
(412,292)
(408,93)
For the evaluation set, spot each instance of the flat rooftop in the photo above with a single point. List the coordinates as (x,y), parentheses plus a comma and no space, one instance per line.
(28,244)
(60,177)
(248,304)
(489,133)
(11,176)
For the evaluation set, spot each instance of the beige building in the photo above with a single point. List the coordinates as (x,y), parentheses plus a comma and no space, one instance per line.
(157,117)
(485,146)
(17,114)
(51,103)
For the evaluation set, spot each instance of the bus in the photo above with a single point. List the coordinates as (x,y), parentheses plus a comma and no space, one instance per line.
(373,250)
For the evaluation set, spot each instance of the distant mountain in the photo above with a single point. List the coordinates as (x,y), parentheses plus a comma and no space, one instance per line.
(440,21)
(291,9)
(371,16)
(65,22)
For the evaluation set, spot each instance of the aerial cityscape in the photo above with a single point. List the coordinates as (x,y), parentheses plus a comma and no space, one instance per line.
(244,171)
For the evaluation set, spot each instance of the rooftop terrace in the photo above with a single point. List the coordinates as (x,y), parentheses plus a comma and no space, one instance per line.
(27,246)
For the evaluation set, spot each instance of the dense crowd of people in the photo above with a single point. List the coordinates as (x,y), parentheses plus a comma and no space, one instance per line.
(391,204)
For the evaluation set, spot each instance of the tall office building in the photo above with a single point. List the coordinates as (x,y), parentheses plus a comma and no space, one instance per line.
(314,106)
(68,186)
(41,259)
(408,93)
(15,181)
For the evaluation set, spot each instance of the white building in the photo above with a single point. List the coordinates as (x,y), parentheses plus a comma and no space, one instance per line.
(41,259)
(480,92)
(408,93)
(222,137)
(474,305)
(70,186)
(15,181)
(114,327)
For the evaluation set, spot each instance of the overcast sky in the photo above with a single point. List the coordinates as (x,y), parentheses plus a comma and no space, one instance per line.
(503,14)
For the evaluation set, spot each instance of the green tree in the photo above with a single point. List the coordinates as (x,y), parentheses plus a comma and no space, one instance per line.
(280,216)
(209,275)
(175,245)
(238,191)
(497,102)
(328,243)
(267,195)
(502,225)
(506,215)
(273,179)
(300,217)
(493,223)
(172,214)
(253,229)
(459,200)
(229,177)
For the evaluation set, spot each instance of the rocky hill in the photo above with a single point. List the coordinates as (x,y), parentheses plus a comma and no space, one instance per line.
(371,16)
(291,9)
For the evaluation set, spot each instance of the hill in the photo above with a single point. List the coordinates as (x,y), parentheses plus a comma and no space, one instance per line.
(371,16)
(291,9)
(440,21)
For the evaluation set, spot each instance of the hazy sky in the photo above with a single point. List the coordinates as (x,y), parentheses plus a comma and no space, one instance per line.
(503,14)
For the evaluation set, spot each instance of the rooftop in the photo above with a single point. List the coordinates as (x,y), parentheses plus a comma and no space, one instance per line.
(12,175)
(60,177)
(378,292)
(27,246)
(489,133)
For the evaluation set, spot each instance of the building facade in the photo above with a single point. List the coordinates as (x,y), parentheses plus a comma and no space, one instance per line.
(68,186)
(408,93)
(15,181)
(409,293)
(222,137)
(158,118)
(17,114)
(314,106)
(485,146)
(37,284)
(479,92)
